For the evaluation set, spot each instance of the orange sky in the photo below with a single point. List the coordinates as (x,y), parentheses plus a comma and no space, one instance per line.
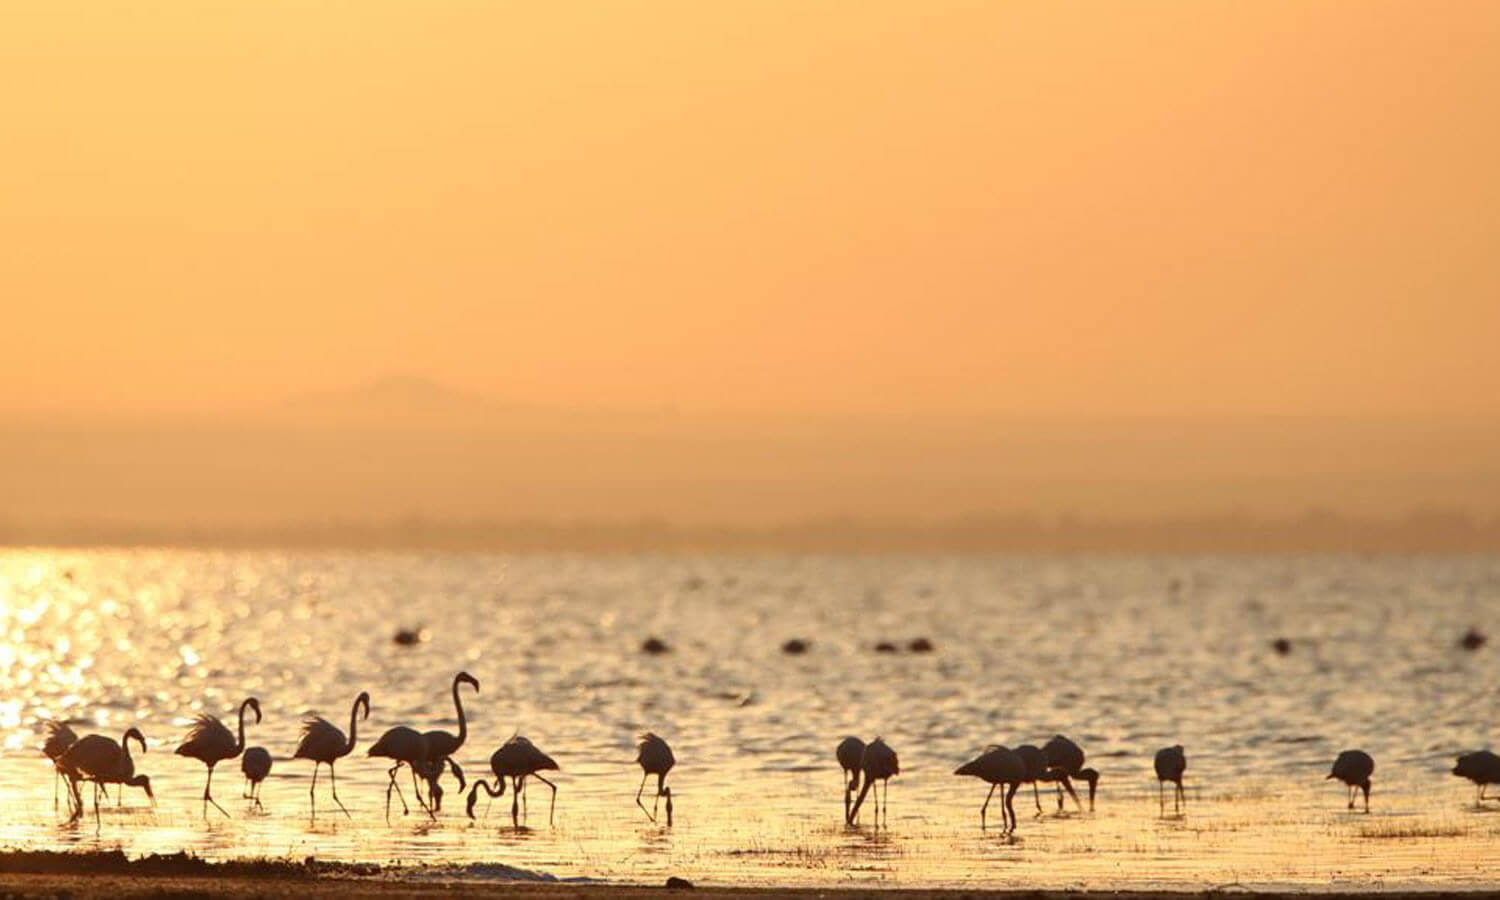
(874,207)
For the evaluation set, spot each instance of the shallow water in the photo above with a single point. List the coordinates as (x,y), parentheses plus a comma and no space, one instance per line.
(1125,654)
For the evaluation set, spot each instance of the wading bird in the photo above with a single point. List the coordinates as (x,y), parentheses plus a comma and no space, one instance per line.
(850,751)
(1354,768)
(517,759)
(407,747)
(1036,770)
(1170,763)
(441,744)
(1064,763)
(256,764)
(211,743)
(324,744)
(431,771)
(1481,767)
(997,765)
(99,759)
(878,763)
(656,759)
(59,738)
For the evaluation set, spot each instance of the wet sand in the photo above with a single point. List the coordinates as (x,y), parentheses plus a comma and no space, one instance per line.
(112,874)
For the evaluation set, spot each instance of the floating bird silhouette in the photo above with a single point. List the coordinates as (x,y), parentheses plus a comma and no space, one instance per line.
(656,759)
(1481,767)
(59,738)
(406,746)
(101,760)
(324,744)
(1170,763)
(998,765)
(1064,763)
(850,753)
(877,763)
(1354,767)
(517,759)
(256,764)
(443,744)
(211,743)
(1036,770)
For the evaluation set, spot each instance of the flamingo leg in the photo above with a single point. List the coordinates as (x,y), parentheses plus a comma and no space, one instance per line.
(96,804)
(312,792)
(1181,797)
(985,808)
(660,780)
(208,796)
(405,810)
(333,780)
(1010,806)
(1036,795)
(1161,794)
(549,784)
(649,814)
(416,790)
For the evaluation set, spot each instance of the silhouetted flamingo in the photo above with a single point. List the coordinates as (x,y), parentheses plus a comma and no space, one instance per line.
(1170,763)
(442,744)
(516,759)
(1354,768)
(430,772)
(59,738)
(103,761)
(1064,763)
(408,747)
(997,765)
(256,764)
(324,744)
(850,752)
(211,743)
(656,759)
(878,763)
(1481,767)
(1036,770)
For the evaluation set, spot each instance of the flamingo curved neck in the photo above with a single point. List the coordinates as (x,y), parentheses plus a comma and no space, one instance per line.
(353,724)
(240,743)
(463,725)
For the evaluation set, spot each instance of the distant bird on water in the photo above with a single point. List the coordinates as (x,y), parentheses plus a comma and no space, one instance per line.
(444,744)
(211,743)
(59,738)
(999,766)
(1354,767)
(1170,763)
(1064,763)
(101,760)
(256,764)
(324,744)
(407,747)
(1481,767)
(656,758)
(878,763)
(517,759)
(850,751)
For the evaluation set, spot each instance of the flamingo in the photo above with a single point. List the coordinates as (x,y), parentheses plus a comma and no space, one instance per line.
(878,763)
(1354,768)
(1064,763)
(1036,770)
(517,759)
(407,746)
(103,761)
(849,752)
(431,772)
(324,744)
(59,738)
(211,743)
(441,744)
(1481,767)
(1170,763)
(998,765)
(656,759)
(256,764)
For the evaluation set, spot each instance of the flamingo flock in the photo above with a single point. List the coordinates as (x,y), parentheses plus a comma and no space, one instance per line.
(103,762)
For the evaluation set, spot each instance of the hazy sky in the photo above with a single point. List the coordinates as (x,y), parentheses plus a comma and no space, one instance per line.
(774,206)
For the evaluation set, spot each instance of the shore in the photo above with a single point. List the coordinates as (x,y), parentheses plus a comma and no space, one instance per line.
(111,874)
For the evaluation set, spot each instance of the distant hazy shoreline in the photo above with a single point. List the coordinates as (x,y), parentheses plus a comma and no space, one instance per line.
(1314,532)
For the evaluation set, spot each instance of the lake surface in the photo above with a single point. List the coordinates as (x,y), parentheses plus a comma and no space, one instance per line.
(1124,654)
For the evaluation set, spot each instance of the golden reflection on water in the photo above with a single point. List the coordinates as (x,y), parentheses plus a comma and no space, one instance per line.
(1106,650)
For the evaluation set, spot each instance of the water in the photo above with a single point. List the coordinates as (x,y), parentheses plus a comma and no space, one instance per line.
(1125,654)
